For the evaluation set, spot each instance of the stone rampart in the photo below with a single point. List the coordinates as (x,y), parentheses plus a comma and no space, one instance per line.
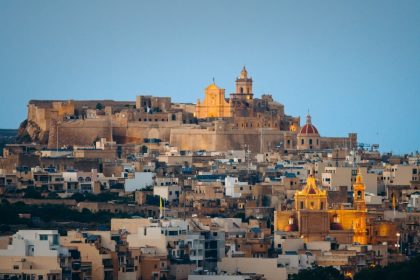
(223,140)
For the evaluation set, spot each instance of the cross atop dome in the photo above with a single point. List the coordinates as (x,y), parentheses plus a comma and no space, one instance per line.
(308,118)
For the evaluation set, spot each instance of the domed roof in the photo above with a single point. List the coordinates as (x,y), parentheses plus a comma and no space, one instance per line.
(308,128)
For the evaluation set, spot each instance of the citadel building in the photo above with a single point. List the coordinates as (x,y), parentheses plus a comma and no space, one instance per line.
(217,123)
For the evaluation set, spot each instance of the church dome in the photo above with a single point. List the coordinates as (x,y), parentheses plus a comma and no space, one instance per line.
(308,128)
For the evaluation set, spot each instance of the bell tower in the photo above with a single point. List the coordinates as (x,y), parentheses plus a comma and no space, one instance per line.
(359,193)
(244,85)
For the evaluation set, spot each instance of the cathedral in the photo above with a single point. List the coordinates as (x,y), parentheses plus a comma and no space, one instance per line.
(241,109)
(314,220)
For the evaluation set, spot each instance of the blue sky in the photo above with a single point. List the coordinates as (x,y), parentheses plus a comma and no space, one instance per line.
(354,64)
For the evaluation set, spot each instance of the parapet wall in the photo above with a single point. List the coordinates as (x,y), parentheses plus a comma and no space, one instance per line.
(349,142)
(85,132)
(223,140)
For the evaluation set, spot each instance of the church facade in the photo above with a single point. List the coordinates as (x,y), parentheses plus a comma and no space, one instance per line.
(314,220)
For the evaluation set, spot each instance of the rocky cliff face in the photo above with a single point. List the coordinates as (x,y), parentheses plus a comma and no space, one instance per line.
(29,132)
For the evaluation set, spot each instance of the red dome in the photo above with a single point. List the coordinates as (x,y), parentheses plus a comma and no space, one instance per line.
(308,129)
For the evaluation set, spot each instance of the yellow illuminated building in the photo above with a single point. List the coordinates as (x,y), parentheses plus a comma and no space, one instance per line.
(314,221)
(214,104)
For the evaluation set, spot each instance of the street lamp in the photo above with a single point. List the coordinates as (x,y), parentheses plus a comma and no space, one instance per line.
(398,242)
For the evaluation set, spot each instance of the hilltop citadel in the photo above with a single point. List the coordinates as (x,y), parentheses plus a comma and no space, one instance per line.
(218,123)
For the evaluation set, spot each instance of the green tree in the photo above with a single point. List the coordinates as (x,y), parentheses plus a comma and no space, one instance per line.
(53,195)
(404,270)
(31,192)
(99,106)
(318,272)
(78,197)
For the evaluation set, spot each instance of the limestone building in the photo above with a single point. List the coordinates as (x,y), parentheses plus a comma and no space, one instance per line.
(214,104)
(219,122)
(314,219)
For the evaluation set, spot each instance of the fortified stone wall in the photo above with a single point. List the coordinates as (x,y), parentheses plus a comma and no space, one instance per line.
(78,132)
(349,142)
(41,113)
(85,132)
(223,140)
(137,131)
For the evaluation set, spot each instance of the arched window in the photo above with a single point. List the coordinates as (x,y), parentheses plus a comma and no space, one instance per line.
(241,90)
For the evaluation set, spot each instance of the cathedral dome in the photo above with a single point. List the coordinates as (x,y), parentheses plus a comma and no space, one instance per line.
(308,128)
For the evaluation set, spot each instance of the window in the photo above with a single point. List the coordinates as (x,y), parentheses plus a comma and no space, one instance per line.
(43,237)
(301,205)
(310,141)
(55,239)
(15,267)
(303,141)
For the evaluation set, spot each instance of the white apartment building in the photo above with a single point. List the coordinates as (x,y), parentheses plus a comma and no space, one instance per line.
(33,253)
(34,243)
(234,188)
